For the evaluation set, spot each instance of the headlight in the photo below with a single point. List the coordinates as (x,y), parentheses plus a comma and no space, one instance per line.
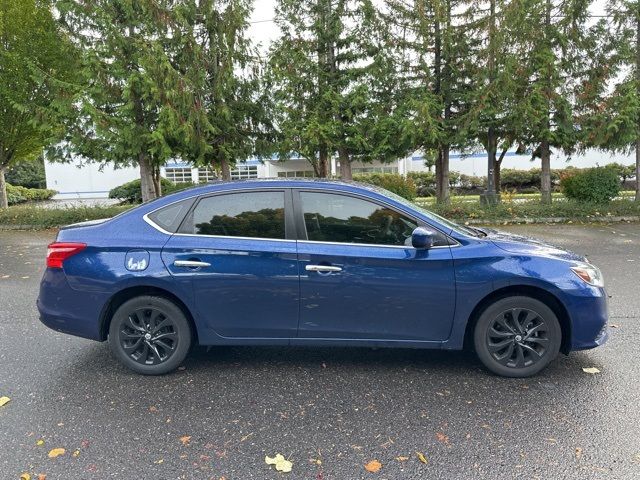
(590,274)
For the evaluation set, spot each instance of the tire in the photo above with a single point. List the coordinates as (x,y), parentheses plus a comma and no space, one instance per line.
(150,335)
(517,336)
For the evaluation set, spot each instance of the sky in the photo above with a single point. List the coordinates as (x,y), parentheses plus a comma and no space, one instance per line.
(263,30)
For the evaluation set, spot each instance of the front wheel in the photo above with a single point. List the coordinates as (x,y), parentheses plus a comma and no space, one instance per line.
(517,336)
(150,335)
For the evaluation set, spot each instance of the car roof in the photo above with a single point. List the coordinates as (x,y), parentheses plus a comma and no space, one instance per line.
(221,185)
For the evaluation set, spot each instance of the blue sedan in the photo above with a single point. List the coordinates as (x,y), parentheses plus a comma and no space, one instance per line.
(317,263)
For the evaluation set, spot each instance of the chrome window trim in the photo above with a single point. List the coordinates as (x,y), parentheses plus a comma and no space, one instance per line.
(146,218)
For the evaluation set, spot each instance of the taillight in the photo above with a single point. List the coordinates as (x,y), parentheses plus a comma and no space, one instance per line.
(58,252)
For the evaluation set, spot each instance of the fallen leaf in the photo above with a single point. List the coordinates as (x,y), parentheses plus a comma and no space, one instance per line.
(422,458)
(402,459)
(158,462)
(56,452)
(442,438)
(281,463)
(25,476)
(578,453)
(591,370)
(153,409)
(185,440)
(373,466)
(40,442)
(42,476)
(614,325)
(4,401)
(76,453)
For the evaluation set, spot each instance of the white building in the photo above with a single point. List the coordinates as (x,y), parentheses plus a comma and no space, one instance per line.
(90,180)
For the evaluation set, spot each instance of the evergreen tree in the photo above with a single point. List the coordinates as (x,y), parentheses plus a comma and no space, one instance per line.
(490,118)
(227,110)
(333,86)
(130,112)
(552,47)
(431,47)
(611,97)
(36,82)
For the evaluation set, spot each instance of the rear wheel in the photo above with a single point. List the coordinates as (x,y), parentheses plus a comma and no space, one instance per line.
(517,336)
(150,335)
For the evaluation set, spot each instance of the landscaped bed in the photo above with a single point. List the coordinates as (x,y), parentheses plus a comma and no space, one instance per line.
(35,217)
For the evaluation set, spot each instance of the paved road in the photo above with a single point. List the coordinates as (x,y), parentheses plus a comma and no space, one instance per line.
(329,410)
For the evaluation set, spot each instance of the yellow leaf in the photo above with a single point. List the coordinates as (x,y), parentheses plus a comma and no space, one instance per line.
(373,466)
(591,370)
(422,458)
(25,476)
(186,439)
(4,401)
(578,453)
(40,442)
(281,463)
(76,453)
(402,459)
(56,452)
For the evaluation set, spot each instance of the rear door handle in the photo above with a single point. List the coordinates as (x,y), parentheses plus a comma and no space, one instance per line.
(191,263)
(322,268)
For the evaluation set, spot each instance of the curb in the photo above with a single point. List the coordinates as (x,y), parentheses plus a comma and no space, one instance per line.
(530,221)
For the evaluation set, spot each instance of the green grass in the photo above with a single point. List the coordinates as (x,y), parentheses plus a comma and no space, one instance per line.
(423,201)
(41,218)
(534,209)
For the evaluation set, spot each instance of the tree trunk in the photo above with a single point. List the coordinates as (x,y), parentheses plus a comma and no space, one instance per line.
(492,147)
(323,163)
(345,164)
(146,178)
(442,175)
(225,169)
(545,179)
(496,174)
(157,185)
(4,200)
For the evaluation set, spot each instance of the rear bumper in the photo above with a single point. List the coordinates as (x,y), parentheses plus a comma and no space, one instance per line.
(69,311)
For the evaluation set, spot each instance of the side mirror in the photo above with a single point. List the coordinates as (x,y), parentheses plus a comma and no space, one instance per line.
(421,238)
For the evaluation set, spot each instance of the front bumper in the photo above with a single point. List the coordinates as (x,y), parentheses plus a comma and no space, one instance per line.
(589,317)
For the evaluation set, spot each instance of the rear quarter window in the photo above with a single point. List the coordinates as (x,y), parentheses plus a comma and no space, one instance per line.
(170,217)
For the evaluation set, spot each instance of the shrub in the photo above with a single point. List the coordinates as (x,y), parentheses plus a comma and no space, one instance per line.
(425,183)
(131,192)
(18,194)
(597,185)
(403,186)
(28,174)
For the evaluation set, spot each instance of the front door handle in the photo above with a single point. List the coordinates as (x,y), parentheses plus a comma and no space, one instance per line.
(322,268)
(191,263)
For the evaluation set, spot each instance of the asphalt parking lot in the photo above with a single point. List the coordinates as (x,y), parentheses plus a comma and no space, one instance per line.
(330,411)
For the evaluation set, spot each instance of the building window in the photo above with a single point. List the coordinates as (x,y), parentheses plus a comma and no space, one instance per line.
(205,174)
(374,170)
(242,172)
(297,173)
(178,174)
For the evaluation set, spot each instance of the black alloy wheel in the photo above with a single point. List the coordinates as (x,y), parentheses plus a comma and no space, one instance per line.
(517,336)
(150,335)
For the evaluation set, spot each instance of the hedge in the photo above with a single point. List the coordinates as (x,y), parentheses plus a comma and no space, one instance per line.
(599,185)
(17,194)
